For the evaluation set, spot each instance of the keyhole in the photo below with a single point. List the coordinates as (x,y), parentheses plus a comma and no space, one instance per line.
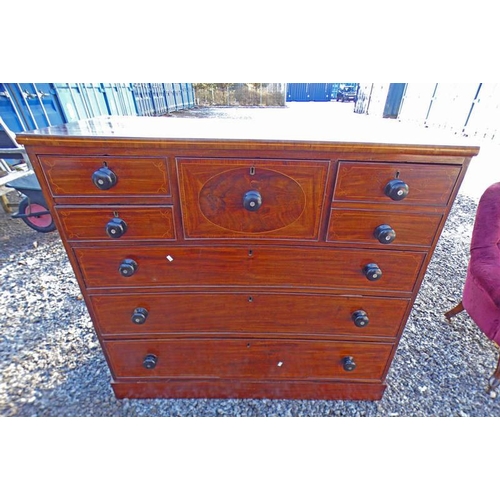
(397,174)
(250,253)
(252,170)
(250,299)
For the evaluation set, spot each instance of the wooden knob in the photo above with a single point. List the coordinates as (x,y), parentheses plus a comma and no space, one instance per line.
(127,267)
(384,234)
(348,364)
(252,200)
(104,178)
(360,318)
(396,190)
(372,272)
(116,227)
(139,315)
(150,361)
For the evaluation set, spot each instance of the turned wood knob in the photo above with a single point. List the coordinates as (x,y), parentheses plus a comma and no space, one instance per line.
(139,315)
(104,178)
(252,200)
(360,318)
(150,361)
(372,272)
(396,190)
(348,364)
(385,234)
(127,267)
(116,227)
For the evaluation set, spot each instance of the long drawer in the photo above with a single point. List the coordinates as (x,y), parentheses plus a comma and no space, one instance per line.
(249,267)
(248,313)
(117,223)
(248,359)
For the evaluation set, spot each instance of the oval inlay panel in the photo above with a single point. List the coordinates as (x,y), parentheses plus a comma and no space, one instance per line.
(221,200)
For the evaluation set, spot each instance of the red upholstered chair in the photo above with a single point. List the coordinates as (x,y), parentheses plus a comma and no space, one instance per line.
(481,295)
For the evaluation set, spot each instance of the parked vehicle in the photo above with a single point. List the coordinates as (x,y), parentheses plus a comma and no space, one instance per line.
(346,94)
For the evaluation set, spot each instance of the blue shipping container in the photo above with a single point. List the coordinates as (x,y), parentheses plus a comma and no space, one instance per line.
(305,92)
(29,106)
(394,100)
(33,104)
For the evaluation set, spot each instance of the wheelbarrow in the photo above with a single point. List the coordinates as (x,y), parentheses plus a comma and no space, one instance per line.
(32,207)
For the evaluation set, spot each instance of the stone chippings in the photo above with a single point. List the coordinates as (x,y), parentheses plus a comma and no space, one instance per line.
(51,363)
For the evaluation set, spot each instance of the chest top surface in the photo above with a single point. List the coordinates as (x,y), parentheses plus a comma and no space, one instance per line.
(314,135)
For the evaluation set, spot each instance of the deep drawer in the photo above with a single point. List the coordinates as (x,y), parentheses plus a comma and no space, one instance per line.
(366,182)
(248,359)
(244,267)
(235,198)
(359,226)
(108,222)
(248,313)
(72,176)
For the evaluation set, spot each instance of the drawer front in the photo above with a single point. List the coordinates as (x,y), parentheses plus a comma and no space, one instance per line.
(360,226)
(366,182)
(117,223)
(226,198)
(244,267)
(249,313)
(250,359)
(72,176)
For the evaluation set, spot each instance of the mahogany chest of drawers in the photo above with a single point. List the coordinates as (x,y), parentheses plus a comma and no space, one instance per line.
(218,259)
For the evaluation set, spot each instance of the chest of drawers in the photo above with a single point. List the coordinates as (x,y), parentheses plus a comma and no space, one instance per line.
(218,261)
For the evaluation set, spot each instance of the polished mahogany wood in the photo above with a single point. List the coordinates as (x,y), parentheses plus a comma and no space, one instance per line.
(366,181)
(251,313)
(142,223)
(213,190)
(265,267)
(72,176)
(358,227)
(248,359)
(242,259)
(248,389)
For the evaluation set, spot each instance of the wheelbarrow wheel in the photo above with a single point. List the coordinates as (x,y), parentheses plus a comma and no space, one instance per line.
(41,223)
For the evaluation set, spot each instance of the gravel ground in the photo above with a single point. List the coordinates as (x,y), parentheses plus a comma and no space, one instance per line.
(51,363)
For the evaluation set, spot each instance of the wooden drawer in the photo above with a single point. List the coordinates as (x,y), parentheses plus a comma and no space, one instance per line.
(247,313)
(360,226)
(366,182)
(99,223)
(71,176)
(235,198)
(244,267)
(248,359)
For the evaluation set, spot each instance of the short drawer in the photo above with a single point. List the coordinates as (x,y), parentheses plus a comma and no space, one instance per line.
(117,223)
(248,359)
(248,313)
(383,228)
(368,182)
(89,176)
(243,267)
(238,198)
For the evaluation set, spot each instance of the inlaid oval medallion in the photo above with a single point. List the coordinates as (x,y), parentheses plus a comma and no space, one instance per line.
(222,197)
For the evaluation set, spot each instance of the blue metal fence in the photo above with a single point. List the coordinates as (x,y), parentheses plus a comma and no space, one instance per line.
(29,106)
